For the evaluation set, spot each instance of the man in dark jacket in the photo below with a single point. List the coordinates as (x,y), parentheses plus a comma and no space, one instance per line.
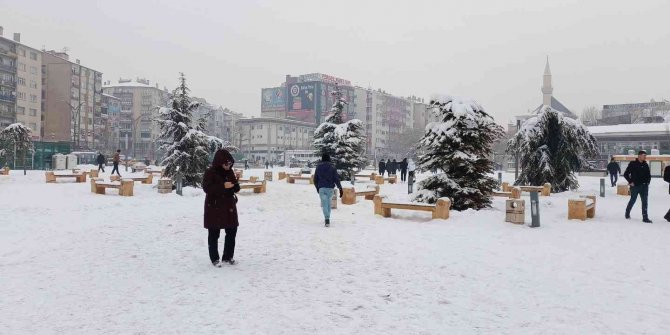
(325,180)
(403,170)
(614,170)
(666,177)
(101,162)
(391,167)
(220,186)
(115,161)
(638,176)
(382,167)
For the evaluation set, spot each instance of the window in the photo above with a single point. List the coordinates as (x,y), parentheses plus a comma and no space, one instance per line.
(33,112)
(33,84)
(33,55)
(22,67)
(20,110)
(21,96)
(33,98)
(33,126)
(21,81)
(22,52)
(33,69)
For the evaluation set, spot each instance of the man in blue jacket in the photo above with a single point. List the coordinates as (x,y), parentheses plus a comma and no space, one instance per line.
(325,180)
(638,176)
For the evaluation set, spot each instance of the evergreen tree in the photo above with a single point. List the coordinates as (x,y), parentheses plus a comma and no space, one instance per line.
(460,149)
(343,141)
(15,142)
(182,139)
(552,148)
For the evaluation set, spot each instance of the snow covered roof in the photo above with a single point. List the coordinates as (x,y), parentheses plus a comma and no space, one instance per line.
(557,105)
(631,128)
(129,84)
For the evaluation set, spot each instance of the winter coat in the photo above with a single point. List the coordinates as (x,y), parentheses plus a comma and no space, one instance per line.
(666,176)
(403,165)
(391,167)
(326,176)
(637,173)
(613,167)
(116,158)
(411,166)
(100,159)
(220,202)
(382,165)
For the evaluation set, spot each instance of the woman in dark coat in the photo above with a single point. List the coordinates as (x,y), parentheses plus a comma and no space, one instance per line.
(220,185)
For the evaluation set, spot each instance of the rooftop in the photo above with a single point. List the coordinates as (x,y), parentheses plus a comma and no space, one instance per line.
(631,128)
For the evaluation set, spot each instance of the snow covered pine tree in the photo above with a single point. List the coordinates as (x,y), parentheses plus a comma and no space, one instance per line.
(459,147)
(186,146)
(15,139)
(343,141)
(551,148)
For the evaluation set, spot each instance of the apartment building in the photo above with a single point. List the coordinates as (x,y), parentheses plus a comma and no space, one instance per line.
(29,88)
(8,62)
(111,119)
(220,122)
(264,138)
(140,101)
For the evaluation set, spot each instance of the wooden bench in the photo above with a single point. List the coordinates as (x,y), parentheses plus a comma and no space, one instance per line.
(159,172)
(257,187)
(292,178)
(148,179)
(349,194)
(544,190)
(282,175)
(440,210)
(367,176)
(582,208)
(238,173)
(623,189)
(51,176)
(125,186)
(4,171)
(251,179)
(379,180)
(513,193)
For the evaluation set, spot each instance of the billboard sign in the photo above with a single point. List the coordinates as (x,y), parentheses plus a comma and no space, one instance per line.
(273,99)
(301,104)
(324,78)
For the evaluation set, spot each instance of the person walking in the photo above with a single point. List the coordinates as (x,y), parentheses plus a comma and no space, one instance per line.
(246,164)
(411,167)
(390,167)
(403,170)
(220,186)
(666,177)
(638,176)
(267,164)
(325,180)
(382,167)
(116,159)
(614,170)
(101,162)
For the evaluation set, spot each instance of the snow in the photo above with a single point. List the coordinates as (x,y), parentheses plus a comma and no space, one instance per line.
(129,84)
(631,128)
(73,262)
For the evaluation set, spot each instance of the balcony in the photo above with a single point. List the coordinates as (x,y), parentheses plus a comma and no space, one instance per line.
(8,52)
(7,83)
(9,68)
(7,97)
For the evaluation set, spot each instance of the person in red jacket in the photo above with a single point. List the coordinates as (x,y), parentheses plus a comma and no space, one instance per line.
(220,185)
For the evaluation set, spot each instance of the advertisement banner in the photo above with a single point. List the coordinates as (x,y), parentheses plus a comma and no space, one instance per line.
(302,102)
(273,99)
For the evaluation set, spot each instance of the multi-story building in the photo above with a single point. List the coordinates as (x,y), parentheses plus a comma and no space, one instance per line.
(8,68)
(220,122)
(140,102)
(619,139)
(111,115)
(29,88)
(264,138)
(646,112)
(306,98)
(71,100)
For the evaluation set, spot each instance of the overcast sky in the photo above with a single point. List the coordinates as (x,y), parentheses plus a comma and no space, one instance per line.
(601,52)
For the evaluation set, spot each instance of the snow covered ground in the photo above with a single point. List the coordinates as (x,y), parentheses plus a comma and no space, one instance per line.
(72,262)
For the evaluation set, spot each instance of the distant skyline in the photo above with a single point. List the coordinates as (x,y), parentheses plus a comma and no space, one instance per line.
(601,52)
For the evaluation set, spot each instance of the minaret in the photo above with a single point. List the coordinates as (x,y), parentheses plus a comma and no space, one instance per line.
(546,85)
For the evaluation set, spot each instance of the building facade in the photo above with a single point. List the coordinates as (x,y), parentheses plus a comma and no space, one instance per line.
(266,138)
(111,116)
(71,99)
(220,122)
(646,112)
(8,69)
(619,139)
(140,102)
(29,89)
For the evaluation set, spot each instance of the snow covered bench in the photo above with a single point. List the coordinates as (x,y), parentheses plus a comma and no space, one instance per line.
(51,176)
(513,193)
(251,179)
(392,179)
(367,176)
(239,173)
(125,186)
(282,175)
(440,210)
(4,171)
(257,187)
(151,172)
(544,190)
(582,208)
(349,194)
(148,179)
(291,178)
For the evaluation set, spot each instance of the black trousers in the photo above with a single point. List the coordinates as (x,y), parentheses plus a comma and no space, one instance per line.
(381,171)
(116,168)
(228,245)
(101,166)
(614,177)
(403,175)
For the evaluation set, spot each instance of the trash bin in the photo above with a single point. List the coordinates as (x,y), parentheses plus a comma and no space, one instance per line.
(59,162)
(71,161)
(515,211)
(333,200)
